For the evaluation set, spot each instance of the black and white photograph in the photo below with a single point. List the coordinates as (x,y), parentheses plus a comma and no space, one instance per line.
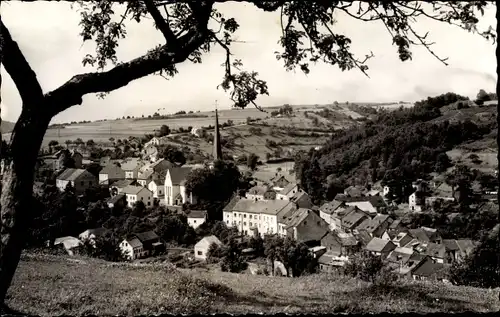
(248,157)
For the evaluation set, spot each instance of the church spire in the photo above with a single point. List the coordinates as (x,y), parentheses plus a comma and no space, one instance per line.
(217,148)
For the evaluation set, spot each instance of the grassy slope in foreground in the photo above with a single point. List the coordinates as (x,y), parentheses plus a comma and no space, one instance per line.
(50,285)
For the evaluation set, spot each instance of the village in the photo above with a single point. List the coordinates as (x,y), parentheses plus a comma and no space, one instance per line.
(358,221)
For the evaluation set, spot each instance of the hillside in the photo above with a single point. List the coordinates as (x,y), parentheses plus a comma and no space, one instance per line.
(58,285)
(406,143)
(6,126)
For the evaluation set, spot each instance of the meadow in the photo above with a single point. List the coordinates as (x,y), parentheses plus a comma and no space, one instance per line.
(59,285)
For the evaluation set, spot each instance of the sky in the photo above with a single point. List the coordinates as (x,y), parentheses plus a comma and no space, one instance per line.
(51,44)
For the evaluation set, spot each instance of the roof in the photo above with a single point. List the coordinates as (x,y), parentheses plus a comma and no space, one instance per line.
(299,195)
(451,245)
(435,250)
(167,164)
(210,240)
(71,174)
(131,163)
(296,217)
(363,237)
(353,191)
(271,207)
(96,231)
(375,201)
(134,243)
(197,214)
(133,190)
(421,234)
(288,188)
(394,225)
(331,259)
(427,268)
(115,199)
(146,236)
(258,190)
(159,181)
(122,183)
(352,217)
(110,168)
(330,207)
(145,174)
(400,254)
(345,239)
(179,174)
(229,207)
(377,244)
(371,225)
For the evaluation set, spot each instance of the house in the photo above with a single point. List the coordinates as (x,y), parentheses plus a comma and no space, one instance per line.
(132,249)
(354,191)
(68,243)
(144,177)
(92,234)
(376,226)
(251,217)
(302,199)
(56,160)
(424,234)
(402,264)
(196,217)
(393,230)
(362,237)
(436,251)
(118,186)
(80,179)
(402,239)
(287,192)
(175,190)
(370,204)
(119,201)
(317,251)
(428,269)
(279,181)
(150,152)
(327,210)
(441,191)
(304,225)
(157,141)
(416,201)
(160,166)
(157,187)
(330,263)
(111,173)
(373,192)
(140,245)
(260,193)
(353,217)
(137,193)
(400,255)
(340,243)
(380,247)
(198,132)
(201,247)
(131,167)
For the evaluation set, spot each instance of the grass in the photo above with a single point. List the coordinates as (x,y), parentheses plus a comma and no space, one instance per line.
(52,285)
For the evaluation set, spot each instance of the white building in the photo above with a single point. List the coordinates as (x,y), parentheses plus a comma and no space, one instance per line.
(196,217)
(201,248)
(198,132)
(175,190)
(251,217)
(288,192)
(138,193)
(157,187)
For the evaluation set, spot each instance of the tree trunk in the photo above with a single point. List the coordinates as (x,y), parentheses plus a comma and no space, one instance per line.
(17,189)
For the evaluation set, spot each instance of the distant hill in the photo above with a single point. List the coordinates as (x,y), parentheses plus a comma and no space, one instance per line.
(7,126)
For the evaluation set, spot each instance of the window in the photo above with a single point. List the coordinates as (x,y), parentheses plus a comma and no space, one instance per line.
(245,215)
(305,223)
(149,203)
(250,224)
(82,183)
(200,253)
(227,221)
(244,223)
(250,216)
(318,223)
(194,221)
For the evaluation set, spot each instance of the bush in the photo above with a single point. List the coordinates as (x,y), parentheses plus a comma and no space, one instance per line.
(367,267)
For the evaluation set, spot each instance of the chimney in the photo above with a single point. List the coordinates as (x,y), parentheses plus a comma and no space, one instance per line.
(217,147)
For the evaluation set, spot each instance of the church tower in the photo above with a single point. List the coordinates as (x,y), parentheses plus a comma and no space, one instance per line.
(217,147)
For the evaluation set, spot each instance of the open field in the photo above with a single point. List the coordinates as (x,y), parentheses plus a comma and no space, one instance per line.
(57,285)
(246,142)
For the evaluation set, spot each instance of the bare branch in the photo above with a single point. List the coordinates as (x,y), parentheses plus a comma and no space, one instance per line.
(19,70)
(160,22)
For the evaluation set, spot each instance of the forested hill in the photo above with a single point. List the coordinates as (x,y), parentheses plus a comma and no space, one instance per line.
(405,143)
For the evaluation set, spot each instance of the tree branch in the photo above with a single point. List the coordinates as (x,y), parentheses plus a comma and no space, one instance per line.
(71,92)
(160,22)
(19,70)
